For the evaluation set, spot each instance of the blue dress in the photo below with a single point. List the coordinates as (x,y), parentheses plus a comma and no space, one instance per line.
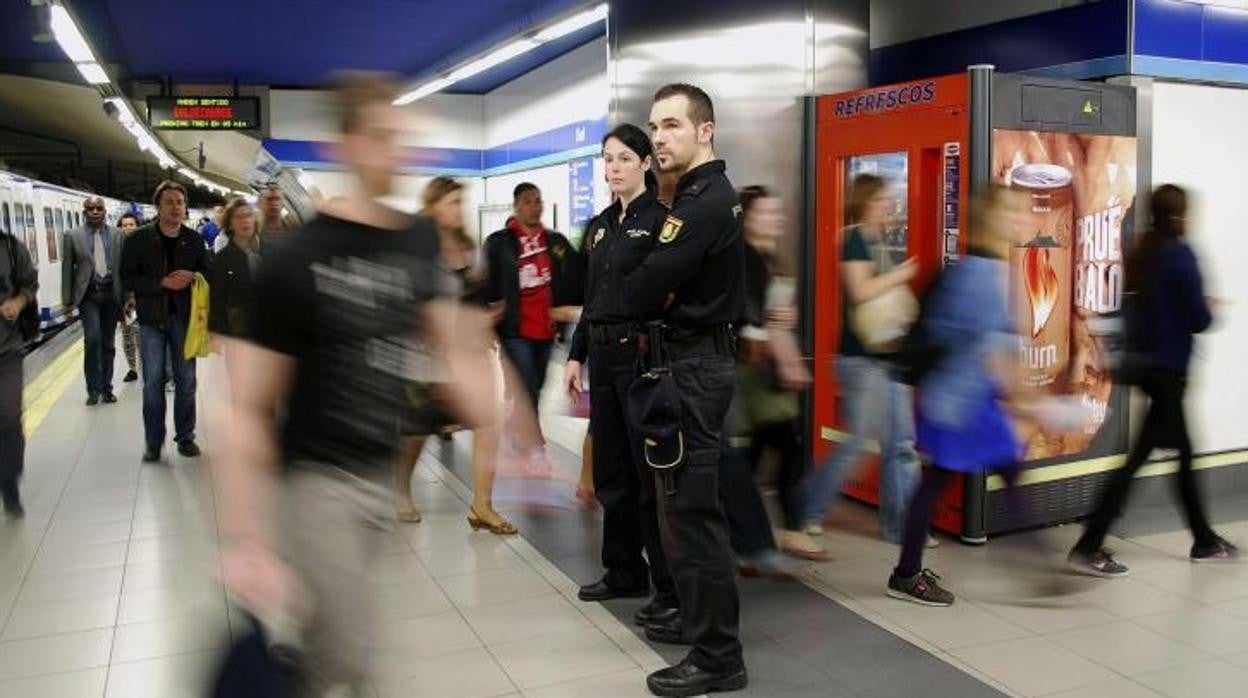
(960,424)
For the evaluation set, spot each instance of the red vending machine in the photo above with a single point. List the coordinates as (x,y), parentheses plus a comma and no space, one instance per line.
(1071,147)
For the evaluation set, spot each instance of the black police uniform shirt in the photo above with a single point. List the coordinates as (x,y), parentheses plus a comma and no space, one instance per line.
(616,247)
(344,299)
(699,256)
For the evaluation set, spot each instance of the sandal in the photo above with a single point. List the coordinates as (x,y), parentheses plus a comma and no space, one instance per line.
(501,527)
(408,515)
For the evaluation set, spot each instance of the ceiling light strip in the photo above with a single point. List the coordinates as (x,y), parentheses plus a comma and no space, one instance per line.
(75,46)
(508,51)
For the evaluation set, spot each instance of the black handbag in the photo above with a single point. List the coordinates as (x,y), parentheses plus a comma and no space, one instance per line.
(28,319)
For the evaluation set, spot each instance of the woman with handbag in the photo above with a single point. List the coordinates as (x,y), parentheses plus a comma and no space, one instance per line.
(444,204)
(874,294)
(1167,308)
(770,371)
(962,419)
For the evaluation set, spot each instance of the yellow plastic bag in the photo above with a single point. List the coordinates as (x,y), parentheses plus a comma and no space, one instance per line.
(197,340)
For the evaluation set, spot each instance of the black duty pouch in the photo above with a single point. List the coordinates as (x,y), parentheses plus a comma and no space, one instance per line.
(654,408)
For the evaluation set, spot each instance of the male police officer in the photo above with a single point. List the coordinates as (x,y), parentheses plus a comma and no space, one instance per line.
(694,280)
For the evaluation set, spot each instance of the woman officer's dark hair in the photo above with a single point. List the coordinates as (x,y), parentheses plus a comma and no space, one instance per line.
(637,141)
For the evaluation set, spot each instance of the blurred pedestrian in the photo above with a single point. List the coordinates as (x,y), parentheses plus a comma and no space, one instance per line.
(330,338)
(770,370)
(1165,306)
(867,387)
(443,204)
(963,425)
(19,286)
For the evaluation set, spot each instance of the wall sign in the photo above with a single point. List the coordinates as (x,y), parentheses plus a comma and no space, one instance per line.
(950,203)
(203,113)
(580,195)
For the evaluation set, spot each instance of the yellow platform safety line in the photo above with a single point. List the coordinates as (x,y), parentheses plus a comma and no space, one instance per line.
(1090,466)
(41,394)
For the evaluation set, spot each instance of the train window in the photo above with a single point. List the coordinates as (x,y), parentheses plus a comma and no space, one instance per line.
(60,223)
(50,236)
(6,220)
(32,238)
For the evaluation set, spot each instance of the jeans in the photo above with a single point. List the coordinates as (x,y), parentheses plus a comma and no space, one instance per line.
(530,357)
(100,313)
(161,349)
(873,403)
(12,438)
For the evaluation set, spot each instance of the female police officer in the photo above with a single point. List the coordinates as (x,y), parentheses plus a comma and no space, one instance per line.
(619,238)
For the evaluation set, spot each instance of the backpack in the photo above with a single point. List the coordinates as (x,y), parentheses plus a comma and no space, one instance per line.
(919,352)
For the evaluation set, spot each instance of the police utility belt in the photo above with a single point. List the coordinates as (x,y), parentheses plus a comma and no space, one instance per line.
(654,405)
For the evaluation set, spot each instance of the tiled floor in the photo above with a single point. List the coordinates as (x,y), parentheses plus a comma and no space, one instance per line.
(106,589)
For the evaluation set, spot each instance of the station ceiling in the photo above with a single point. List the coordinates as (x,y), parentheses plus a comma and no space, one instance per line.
(52,124)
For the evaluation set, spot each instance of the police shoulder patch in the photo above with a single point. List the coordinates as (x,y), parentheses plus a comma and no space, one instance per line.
(671,228)
(598,237)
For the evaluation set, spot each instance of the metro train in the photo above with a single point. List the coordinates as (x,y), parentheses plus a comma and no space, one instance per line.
(39,214)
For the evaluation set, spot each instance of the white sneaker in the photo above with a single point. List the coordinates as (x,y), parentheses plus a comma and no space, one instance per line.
(813,528)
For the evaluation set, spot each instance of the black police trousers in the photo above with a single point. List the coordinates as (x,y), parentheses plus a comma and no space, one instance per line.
(695,532)
(622,480)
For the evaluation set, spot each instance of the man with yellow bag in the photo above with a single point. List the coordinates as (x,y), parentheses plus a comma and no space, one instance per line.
(159,264)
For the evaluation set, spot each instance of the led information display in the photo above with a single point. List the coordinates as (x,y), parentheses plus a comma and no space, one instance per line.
(203,113)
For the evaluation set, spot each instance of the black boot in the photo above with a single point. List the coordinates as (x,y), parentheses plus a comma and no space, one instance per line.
(657,611)
(601,591)
(13,509)
(669,631)
(687,679)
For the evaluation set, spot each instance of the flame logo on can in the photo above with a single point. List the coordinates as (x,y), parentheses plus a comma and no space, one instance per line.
(1041,282)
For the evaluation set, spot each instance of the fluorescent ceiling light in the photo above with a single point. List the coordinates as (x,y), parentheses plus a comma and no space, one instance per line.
(69,37)
(507,52)
(574,23)
(493,58)
(93,73)
(423,91)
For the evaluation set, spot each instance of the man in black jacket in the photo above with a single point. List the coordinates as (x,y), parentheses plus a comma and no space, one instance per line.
(526,263)
(158,266)
(19,284)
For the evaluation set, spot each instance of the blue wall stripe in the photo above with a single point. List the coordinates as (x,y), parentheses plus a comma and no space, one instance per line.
(1083,70)
(543,161)
(549,147)
(1183,69)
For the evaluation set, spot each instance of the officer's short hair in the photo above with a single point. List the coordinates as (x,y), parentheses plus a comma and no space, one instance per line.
(354,91)
(520,190)
(701,109)
(167,185)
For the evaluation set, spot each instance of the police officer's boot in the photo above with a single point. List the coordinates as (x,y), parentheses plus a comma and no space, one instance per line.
(688,679)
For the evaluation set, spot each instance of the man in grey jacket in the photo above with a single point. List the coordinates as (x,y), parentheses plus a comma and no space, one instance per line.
(19,282)
(91,282)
